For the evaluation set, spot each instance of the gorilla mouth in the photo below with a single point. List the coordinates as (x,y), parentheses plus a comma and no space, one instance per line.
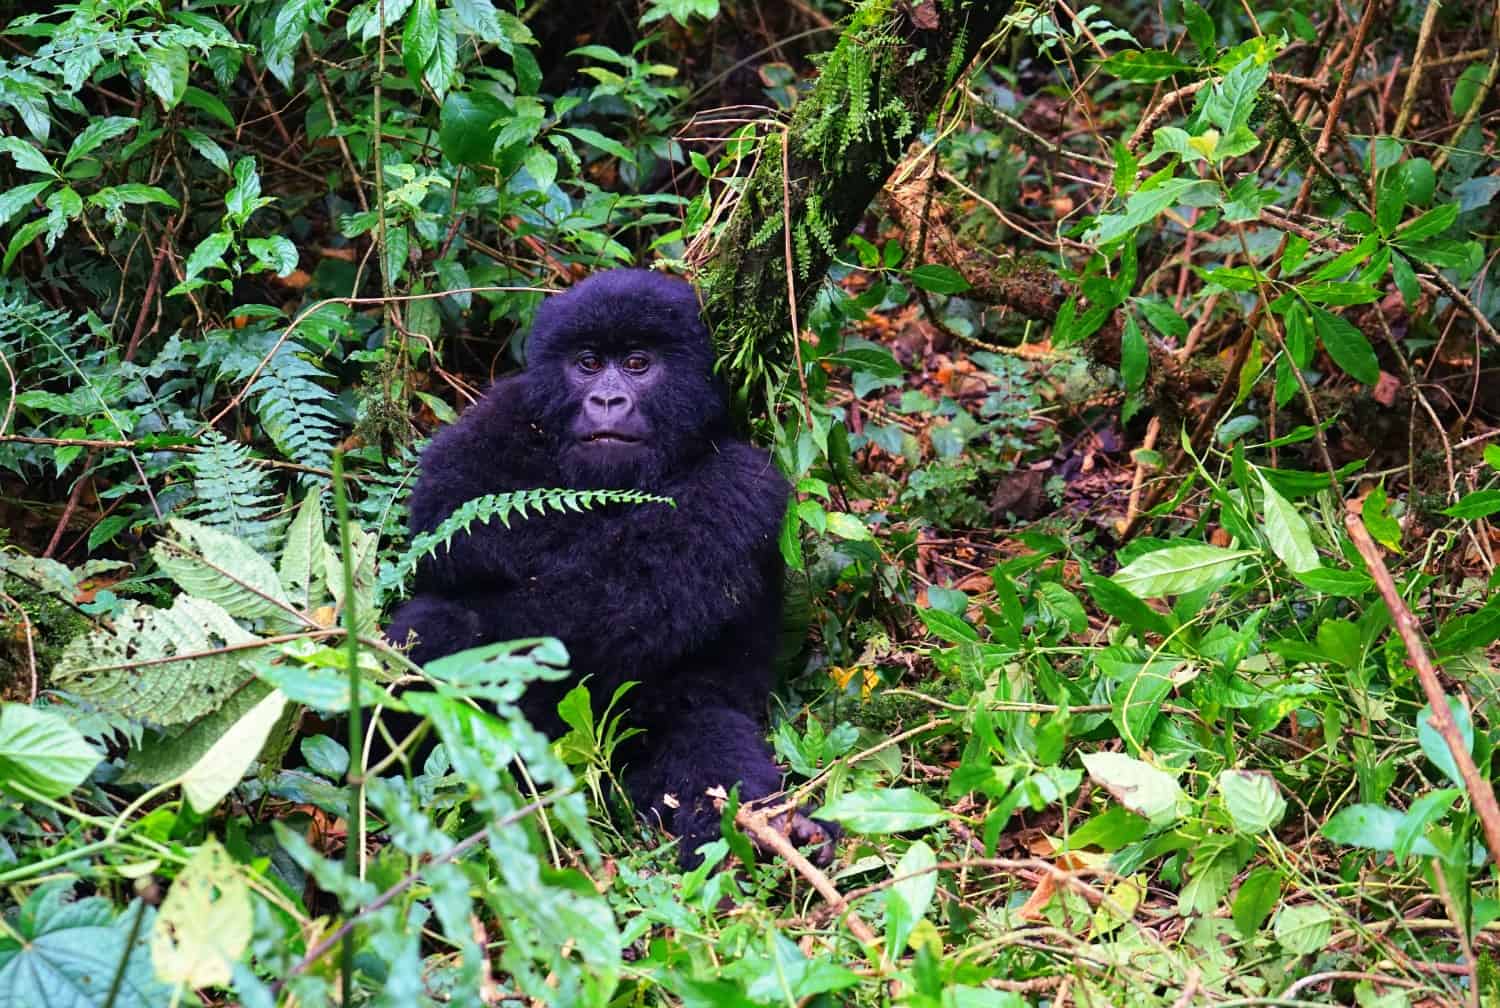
(610,437)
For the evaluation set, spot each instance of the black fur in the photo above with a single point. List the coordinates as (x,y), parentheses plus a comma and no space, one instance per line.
(684,601)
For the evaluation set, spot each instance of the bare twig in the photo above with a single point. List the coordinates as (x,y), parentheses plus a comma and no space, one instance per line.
(1480,792)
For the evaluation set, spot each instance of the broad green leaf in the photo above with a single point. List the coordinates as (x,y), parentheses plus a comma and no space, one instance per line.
(41,749)
(165,69)
(208,254)
(884,810)
(1342,264)
(1257,897)
(1136,702)
(1303,929)
(1376,515)
(947,626)
(469,125)
(1252,799)
(69,953)
(910,898)
(301,569)
(95,133)
(847,526)
(939,279)
(1467,87)
(214,565)
(596,139)
(1231,100)
(26,157)
(1479,504)
(13,201)
(1200,28)
(1140,787)
(209,104)
(1287,531)
(134,194)
(1135,356)
(276,253)
(1114,600)
(1348,347)
(1143,65)
(1446,253)
(1335,581)
(1433,744)
(419,39)
(1163,317)
(204,925)
(225,763)
(1178,569)
(1433,222)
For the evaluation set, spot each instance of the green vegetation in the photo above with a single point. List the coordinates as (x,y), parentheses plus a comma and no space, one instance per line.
(1135,368)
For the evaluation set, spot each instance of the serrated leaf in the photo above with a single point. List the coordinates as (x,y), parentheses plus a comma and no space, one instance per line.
(1231,100)
(43,751)
(73,953)
(883,810)
(1177,569)
(226,761)
(216,566)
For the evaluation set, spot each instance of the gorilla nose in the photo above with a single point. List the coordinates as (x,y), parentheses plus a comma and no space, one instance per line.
(608,403)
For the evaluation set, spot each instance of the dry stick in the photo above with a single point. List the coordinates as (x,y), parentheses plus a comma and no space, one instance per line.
(1464,944)
(1409,97)
(1477,102)
(757,823)
(1480,792)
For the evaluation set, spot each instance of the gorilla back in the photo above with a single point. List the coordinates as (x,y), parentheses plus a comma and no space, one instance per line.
(618,392)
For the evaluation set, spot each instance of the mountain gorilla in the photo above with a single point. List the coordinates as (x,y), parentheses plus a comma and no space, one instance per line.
(618,392)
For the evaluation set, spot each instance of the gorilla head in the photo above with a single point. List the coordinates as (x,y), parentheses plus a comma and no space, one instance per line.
(619,372)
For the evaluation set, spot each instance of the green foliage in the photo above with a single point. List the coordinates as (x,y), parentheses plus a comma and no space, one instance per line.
(500,507)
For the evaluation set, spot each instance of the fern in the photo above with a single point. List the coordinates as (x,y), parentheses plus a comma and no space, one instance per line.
(232,495)
(502,506)
(291,406)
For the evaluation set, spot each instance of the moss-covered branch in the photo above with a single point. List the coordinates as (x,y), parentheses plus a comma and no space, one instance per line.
(888,74)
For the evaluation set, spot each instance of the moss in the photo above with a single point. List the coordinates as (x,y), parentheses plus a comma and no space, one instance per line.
(53,623)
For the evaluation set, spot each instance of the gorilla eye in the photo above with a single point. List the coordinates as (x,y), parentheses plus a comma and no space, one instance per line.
(589,362)
(637,363)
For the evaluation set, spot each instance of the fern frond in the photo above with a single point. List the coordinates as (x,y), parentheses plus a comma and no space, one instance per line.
(231,494)
(290,403)
(501,507)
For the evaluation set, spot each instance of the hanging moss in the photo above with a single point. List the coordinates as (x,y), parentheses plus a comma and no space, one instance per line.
(882,81)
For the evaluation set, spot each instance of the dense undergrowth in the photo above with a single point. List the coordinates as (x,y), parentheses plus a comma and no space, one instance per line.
(1146,444)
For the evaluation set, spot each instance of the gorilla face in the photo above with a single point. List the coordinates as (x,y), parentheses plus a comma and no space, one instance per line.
(619,374)
(611,434)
